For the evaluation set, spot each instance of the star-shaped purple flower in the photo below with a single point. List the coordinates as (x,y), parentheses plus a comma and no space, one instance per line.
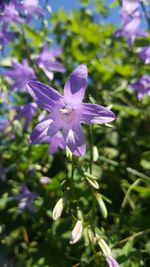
(25,198)
(47,61)
(130,30)
(142,86)
(21,73)
(27,112)
(145,54)
(67,112)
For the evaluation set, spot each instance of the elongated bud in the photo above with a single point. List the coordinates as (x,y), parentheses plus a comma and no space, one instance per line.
(76,232)
(95,154)
(102,206)
(91,180)
(104,247)
(57,211)
(91,235)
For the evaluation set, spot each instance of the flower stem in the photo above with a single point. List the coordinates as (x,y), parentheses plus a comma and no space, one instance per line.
(72,175)
(91,148)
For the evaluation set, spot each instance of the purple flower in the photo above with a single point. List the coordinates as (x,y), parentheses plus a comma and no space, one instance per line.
(4,124)
(30,7)
(10,13)
(22,74)
(25,198)
(145,54)
(142,86)
(129,8)
(130,30)
(47,61)
(112,262)
(5,128)
(5,36)
(27,112)
(67,112)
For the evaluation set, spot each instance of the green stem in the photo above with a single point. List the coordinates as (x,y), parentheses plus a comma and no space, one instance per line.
(91,148)
(125,200)
(72,175)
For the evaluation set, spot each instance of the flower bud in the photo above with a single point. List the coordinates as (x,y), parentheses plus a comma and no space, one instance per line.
(102,206)
(44,180)
(76,232)
(91,235)
(91,180)
(57,211)
(68,154)
(95,154)
(104,247)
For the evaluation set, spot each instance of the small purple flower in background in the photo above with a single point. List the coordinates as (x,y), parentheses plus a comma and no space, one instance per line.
(129,8)
(145,54)
(10,13)
(67,112)
(112,262)
(4,97)
(5,128)
(29,8)
(27,112)
(25,198)
(21,73)
(5,36)
(4,124)
(142,86)
(47,61)
(130,30)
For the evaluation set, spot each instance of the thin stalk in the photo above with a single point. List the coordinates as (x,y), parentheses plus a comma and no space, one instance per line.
(125,200)
(26,44)
(28,50)
(72,175)
(91,148)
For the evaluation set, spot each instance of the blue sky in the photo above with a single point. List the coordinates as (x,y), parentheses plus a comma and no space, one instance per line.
(75,4)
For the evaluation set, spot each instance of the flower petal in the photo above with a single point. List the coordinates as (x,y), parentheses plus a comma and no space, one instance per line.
(55,66)
(75,140)
(39,133)
(45,96)
(53,128)
(75,86)
(48,73)
(95,114)
(55,52)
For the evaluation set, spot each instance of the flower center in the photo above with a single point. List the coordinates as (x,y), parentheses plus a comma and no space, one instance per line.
(66,110)
(67,113)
